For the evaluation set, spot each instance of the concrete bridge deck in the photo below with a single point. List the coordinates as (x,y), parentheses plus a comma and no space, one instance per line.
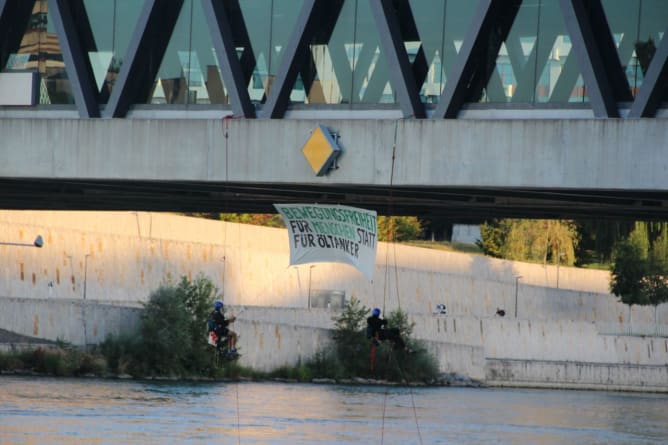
(460,169)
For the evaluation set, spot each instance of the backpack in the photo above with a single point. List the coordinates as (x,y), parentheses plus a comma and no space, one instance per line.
(211,336)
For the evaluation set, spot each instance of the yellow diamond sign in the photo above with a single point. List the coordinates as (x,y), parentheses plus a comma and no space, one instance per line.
(321,150)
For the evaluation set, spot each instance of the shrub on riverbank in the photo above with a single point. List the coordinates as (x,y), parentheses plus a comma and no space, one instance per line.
(351,354)
(63,361)
(171,338)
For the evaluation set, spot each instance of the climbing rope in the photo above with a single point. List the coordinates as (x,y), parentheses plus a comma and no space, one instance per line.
(391,221)
(385,286)
(410,391)
(226,127)
(238,417)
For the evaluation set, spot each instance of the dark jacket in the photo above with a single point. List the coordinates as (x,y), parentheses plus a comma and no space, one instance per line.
(374,326)
(218,322)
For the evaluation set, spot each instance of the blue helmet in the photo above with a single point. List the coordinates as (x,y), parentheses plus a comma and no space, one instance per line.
(218,304)
(375,312)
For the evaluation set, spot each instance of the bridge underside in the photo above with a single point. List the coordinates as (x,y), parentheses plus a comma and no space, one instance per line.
(453,203)
(461,170)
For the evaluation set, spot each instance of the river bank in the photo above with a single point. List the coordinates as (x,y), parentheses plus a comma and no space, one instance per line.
(56,359)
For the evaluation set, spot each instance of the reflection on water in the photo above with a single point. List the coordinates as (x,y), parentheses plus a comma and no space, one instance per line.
(70,411)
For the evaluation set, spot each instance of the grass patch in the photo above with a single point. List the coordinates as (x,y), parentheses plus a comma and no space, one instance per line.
(446,246)
(67,362)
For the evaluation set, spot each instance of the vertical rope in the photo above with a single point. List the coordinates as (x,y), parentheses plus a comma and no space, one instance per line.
(225,209)
(637,67)
(190,52)
(410,392)
(396,277)
(387,252)
(353,64)
(382,425)
(113,30)
(396,274)
(387,271)
(441,81)
(415,416)
(271,51)
(536,76)
(238,417)
(391,221)
(226,127)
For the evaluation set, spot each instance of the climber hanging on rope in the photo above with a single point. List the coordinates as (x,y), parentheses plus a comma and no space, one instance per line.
(377,331)
(220,335)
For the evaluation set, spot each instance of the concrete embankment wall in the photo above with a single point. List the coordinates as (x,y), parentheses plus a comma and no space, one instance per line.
(96,268)
(74,321)
(503,352)
(124,256)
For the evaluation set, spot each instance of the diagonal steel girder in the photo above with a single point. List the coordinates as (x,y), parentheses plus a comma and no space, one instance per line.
(392,43)
(596,53)
(655,84)
(313,15)
(220,15)
(76,41)
(145,52)
(593,51)
(477,57)
(14,17)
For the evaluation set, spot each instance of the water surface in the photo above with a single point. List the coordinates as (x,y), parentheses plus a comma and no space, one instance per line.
(49,411)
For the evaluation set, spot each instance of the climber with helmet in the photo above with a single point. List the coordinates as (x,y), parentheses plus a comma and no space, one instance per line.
(218,324)
(377,331)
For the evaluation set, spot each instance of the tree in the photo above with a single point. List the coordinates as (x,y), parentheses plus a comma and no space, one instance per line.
(598,238)
(256,219)
(640,267)
(173,330)
(628,269)
(492,238)
(350,340)
(545,241)
(399,228)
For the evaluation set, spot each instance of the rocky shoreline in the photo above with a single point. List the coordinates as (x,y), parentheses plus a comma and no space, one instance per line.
(449,379)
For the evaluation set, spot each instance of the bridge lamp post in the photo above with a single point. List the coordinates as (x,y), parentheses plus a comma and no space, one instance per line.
(517,279)
(559,256)
(74,288)
(86,273)
(83,305)
(310,268)
(39,243)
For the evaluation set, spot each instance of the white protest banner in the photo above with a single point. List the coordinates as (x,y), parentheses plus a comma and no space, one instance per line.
(322,233)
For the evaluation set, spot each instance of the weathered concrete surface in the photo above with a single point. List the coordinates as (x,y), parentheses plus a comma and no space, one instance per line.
(11,342)
(574,355)
(123,256)
(576,375)
(74,321)
(607,154)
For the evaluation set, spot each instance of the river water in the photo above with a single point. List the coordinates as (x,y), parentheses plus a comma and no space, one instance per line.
(49,411)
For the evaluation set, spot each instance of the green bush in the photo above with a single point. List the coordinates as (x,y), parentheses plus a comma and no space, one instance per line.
(10,362)
(302,372)
(350,342)
(326,364)
(172,334)
(60,362)
(351,353)
(120,352)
